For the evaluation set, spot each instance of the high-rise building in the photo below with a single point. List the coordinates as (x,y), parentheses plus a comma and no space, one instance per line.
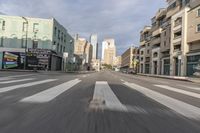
(94,42)
(108,51)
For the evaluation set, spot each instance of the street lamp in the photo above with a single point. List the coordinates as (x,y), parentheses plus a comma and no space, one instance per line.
(25,57)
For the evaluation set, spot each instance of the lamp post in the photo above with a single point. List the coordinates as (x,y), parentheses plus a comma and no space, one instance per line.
(25,57)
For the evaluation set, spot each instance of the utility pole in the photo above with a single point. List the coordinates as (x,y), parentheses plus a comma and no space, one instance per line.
(26,43)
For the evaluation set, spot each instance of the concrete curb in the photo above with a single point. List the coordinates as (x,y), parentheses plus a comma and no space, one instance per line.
(16,70)
(194,80)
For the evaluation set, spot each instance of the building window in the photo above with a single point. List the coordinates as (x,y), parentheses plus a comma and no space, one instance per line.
(35,27)
(24,28)
(62,37)
(58,34)
(55,31)
(23,43)
(198,12)
(164,43)
(63,49)
(155,55)
(198,28)
(58,47)
(1,42)
(148,51)
(2,24)
(35,44)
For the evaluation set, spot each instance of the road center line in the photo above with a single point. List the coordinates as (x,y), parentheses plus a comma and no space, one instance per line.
(180,107)
(10,88)
(192,94)
(50,94)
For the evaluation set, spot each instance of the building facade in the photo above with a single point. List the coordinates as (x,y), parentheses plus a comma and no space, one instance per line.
(108,51)
(84,50)
(94,42)
(39,33)
(145,50)
(174,39)
(130,59)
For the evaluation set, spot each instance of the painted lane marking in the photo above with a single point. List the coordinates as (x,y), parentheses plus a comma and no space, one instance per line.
(10,88)
(50,94)
(14,81)
(122,80)
(105,97)
(180,107)
(192,94)
(189,87)
(4,78)
(16,76)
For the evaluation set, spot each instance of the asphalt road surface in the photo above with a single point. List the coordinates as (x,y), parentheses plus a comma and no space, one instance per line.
(103,102)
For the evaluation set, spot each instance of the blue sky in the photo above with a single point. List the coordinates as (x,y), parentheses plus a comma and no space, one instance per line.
(118,19)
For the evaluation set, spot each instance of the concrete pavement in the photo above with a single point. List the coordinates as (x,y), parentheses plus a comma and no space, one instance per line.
(121,103)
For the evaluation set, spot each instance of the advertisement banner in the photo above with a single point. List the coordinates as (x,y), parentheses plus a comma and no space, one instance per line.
(13,60)
(10,60)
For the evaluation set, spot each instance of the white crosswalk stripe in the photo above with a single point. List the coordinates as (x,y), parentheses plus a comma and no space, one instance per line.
(17,76)
(180,107)
(10,88)
(15,81)
(105,97)
(52,93)
(192,94)
(4,78)
(190,87)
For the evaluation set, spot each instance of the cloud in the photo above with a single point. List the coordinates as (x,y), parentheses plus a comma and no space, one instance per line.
(120,19)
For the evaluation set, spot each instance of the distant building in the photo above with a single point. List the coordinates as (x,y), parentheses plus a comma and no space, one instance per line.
(108,51)
(130,59)
(84,50)
(96,65)
(94,42)
(45,34)
(118,61)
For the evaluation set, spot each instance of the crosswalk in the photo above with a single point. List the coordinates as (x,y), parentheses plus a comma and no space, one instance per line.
(180,107)
(103,95)
(192,94)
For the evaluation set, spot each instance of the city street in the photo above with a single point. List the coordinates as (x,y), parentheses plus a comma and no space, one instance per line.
(101,102)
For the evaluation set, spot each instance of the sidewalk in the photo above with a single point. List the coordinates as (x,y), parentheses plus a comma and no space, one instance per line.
(16,70)
(190,79)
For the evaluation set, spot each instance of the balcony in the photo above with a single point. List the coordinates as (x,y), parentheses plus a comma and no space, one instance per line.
(142,43)
(155,41)
(157,32)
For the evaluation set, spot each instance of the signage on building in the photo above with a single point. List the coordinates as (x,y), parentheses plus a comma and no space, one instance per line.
(13,60)
(41,56)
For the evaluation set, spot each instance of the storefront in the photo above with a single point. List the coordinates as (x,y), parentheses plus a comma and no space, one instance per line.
(147,68)
(166,67)
(192,63)
(46,59)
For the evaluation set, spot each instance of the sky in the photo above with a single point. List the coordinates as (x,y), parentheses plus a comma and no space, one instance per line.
(119,19)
